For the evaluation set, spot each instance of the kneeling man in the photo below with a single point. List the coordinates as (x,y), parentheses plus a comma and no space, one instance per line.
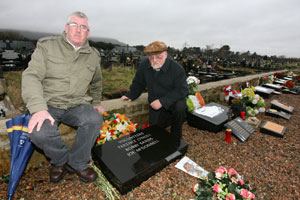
(165,81)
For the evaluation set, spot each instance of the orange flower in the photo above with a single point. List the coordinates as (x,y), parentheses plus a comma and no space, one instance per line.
(105,114)
(131,127)
(103,135)
(122,118)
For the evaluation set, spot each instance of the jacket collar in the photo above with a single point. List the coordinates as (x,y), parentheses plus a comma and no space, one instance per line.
(165,66)
(85,48)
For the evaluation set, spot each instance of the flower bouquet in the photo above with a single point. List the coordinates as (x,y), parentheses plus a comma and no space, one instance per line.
(254,102)
(115,126)
(278,75)
(289,84)
(227,90)
(223,184)
(192,82)
(267,79)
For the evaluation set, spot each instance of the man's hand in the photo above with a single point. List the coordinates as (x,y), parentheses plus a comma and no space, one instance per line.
(124,98)
(38,119)
(156,105)
(100,109)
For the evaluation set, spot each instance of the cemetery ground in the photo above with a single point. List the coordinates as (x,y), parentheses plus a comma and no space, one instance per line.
(271,164)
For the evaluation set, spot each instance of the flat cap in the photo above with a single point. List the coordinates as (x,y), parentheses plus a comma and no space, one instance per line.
(155,47)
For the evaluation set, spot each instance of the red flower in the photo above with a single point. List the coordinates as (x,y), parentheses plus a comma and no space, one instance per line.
(111,132)
(146,125)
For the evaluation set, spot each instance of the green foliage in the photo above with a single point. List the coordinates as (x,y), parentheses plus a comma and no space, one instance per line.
(117,79)
(13,87)
(5,178)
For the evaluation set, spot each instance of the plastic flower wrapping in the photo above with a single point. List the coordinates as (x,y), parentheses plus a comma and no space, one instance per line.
(115,126)
(223,184)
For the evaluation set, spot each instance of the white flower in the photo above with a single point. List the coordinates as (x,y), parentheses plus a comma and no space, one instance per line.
(261,109)
(108,136)
(254,101)
(191,79)
(121,126)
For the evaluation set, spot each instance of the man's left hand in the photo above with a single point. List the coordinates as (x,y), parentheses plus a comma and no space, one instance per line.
(156,105)
(100,109)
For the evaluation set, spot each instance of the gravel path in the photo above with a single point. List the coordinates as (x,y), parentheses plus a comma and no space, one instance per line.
(271,164)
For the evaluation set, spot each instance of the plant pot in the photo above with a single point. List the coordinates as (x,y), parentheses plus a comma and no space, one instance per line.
(237,109)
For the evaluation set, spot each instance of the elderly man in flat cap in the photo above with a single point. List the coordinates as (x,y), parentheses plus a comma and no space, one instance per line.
(165,81)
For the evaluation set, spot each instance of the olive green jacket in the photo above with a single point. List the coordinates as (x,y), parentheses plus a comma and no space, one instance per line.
(59,76)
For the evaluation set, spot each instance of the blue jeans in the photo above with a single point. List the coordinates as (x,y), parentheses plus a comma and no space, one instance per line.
(88,123)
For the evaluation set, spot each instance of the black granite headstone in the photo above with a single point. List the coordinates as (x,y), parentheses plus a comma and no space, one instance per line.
(275,104)
(263,91)
(286,90)
(273,86)
(204,122)
(241,129)
(130,160)
(280,81)
(272,128)
(288,78)
(276,113)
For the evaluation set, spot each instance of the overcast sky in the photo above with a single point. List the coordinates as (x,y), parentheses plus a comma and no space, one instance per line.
(267,27)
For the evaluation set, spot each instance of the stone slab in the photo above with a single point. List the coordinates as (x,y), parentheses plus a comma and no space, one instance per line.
(130,160)
(212,124)
(241,129)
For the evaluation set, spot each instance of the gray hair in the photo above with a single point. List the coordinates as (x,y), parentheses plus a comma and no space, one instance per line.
(78,14)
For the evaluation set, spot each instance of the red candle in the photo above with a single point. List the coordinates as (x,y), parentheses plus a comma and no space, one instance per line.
(228,135)
(243,114)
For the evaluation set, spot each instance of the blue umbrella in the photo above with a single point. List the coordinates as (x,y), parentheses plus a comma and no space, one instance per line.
(21,149)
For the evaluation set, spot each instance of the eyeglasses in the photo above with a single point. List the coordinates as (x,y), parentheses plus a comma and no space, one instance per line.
(156,57)
(75,25)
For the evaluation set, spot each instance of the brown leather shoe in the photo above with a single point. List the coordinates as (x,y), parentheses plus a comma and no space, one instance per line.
(87,175)
(57,173)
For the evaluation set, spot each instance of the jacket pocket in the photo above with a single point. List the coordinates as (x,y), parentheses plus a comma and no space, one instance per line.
(89,72)
(57,75)
(56,67)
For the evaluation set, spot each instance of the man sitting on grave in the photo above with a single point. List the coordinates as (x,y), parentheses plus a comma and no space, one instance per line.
(55,90)
(165,81)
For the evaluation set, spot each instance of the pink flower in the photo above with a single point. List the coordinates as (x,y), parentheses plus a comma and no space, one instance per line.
(242,181)
(251,195)
(219,172)
(234,180)
(232,172)
(230,197)
(223,169)
(244,193)
(217,188)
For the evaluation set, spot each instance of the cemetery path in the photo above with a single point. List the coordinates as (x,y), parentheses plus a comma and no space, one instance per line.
(271,164)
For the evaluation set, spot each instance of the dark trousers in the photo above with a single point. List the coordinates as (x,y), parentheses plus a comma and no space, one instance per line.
(173,116)
(88,123)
